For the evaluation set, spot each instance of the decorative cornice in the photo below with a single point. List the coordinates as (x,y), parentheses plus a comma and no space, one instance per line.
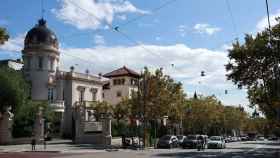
(39,48)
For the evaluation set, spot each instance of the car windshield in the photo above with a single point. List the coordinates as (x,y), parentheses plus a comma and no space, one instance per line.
(192,137)
(215,138)
(165,137)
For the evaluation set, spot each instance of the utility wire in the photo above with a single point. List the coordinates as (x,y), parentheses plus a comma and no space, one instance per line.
(117,29)
(268,17)
(166,3)
(232,18)
(89,13)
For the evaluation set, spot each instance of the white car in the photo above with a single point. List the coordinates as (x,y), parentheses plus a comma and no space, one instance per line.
(181,138)
(216,142)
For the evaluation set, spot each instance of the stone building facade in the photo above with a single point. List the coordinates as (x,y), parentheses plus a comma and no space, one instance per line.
(122,82)
(63,90)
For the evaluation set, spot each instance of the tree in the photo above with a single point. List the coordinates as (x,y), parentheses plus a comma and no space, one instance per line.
(158,95)
(255,65)
(101,108)
(14,90)
(26,114)
(122,110)
(3,35)
(208,116)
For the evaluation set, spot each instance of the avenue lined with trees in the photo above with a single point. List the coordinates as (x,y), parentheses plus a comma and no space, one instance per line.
(253,65)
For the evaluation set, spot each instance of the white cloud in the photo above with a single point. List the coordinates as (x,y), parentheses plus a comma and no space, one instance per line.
(187,62)
(262,24)
(226,47)
(93,14)
(14,44)
(121,17)
(206,29)
(182,29)
(99,40)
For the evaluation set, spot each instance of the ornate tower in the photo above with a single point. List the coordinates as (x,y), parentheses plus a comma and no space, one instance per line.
(41,61)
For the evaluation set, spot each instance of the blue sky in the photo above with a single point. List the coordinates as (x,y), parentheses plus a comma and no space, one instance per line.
(191,35)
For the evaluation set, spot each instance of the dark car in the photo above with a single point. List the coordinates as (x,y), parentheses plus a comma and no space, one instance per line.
(168,141)
(272,138)
(190,142)
(244,138)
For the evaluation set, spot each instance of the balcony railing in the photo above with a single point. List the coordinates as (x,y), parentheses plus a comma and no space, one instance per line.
(87,104)
(58,105)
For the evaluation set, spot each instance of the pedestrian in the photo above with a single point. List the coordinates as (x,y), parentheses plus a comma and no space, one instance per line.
(33,144)
(45,141)
(200,143)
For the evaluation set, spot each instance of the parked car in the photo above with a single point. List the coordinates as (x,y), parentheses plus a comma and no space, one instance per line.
(244,138)
(216,142)
(239,139)
(227,139)
(272,138)
(181,139)
(260,138)
(234,139)
(168,141)
(190,142)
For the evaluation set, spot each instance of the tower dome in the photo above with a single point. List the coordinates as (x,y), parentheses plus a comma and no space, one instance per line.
(41,37)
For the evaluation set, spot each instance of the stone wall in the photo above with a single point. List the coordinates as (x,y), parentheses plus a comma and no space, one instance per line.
(5,129)
(103,138)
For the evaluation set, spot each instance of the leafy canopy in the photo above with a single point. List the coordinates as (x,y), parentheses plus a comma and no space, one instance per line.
(255,65)
(3,35)
(14,90)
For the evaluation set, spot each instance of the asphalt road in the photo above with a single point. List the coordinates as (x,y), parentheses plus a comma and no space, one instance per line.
(259,149)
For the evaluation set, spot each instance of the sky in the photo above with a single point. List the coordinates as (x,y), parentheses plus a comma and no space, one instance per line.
(184,37)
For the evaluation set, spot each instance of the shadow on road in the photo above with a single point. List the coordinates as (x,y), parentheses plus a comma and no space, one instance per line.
(259,153)
(189,154)
(265,143)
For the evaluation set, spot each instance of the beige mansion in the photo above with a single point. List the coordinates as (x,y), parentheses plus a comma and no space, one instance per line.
(41,60)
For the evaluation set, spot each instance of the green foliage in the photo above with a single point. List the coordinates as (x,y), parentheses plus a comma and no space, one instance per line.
(255,65)
(3,35)
(101,108)
(24,120)
(13,89)
(123,128)
(122,110)
(25,117)
(158,95)
(206,115)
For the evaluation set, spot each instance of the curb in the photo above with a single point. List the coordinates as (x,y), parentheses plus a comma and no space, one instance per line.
(41,151)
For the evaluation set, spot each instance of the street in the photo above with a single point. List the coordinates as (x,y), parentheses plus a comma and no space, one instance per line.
(256,149)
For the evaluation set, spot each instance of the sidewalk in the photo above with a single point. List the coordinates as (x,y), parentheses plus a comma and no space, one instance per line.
(61,146)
